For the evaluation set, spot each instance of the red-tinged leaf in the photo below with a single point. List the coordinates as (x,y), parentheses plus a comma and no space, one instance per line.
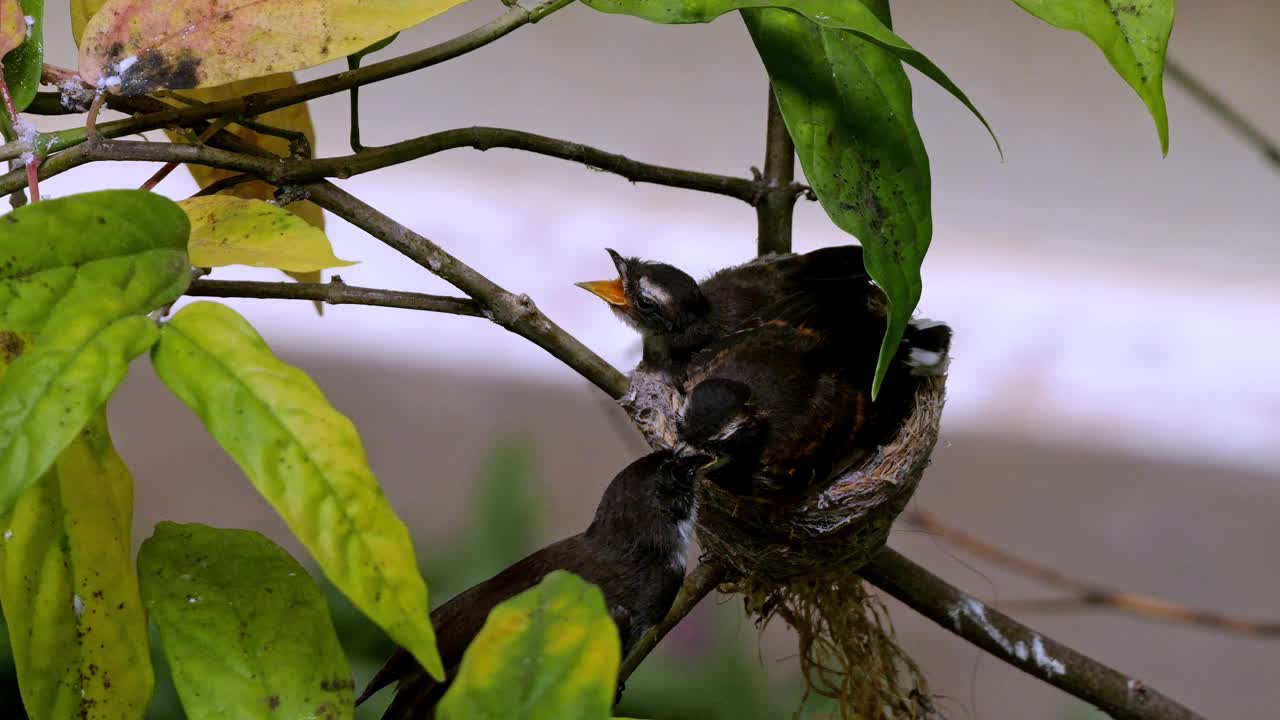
(140,46)
(13,26)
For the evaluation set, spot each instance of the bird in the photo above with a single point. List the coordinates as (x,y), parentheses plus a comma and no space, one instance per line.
(677,316)
(634,549)
(774,361)
(782,408)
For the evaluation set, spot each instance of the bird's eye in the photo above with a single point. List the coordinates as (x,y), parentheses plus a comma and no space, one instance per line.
(645,304)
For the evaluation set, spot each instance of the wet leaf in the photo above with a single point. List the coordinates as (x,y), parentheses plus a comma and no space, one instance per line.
(70,596)
(52,390)
(847,105)
(139,46)
(306,458)
(130,242)
(1133,35)
(549,653)
(853,17)
(22,65)
(233,231)
(245,629)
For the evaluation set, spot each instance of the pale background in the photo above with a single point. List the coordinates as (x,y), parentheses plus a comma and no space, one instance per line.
(1114,401)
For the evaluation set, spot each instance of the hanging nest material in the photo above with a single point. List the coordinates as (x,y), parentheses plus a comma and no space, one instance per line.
(799,561)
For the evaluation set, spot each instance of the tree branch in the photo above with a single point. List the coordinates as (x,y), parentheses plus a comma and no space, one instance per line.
(335,292)
(1086,594)
(516,313)
(697,585)
(777,193)
(1116,694)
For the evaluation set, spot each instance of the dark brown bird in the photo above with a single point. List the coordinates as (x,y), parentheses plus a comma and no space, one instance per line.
(782,407)
(677,316)
(634,550)
(775,359)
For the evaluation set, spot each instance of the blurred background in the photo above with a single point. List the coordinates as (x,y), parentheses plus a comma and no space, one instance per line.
(1114,403)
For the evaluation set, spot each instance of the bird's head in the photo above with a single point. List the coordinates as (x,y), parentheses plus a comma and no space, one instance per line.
(720,424)
(655,298)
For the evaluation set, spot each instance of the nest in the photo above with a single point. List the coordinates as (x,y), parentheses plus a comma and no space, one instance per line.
(799,561)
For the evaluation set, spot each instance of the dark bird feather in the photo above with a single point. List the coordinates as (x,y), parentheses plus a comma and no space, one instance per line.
(634,550)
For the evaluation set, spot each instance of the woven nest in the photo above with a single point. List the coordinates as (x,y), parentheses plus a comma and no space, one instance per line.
(799,561)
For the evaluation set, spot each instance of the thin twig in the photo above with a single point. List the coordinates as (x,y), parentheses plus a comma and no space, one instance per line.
(278,171)
(1120,696)
(697,585)
(1219,107)
(486,138)
(777,196)
(516,313)
(515,17)
(218,186)
(335,292)
(1084,593)
(170,166)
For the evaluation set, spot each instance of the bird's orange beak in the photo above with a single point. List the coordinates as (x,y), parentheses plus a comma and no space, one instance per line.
(609,291)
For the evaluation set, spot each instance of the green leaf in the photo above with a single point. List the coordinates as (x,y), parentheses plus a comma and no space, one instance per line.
(854,17)
(130,242)
(81,12)
(51,391)
(245,629)
(22,66)
(847,105)
(71,600)
(228,230)
(1132,34)
(550,652)
(306,459)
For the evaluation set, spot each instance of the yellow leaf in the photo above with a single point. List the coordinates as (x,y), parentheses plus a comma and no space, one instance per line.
(67,582)
(13,26)
(81,12)
(140,46)
(296,118)
(235,231)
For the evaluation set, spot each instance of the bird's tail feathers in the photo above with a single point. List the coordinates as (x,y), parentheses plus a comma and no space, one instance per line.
(926,347)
